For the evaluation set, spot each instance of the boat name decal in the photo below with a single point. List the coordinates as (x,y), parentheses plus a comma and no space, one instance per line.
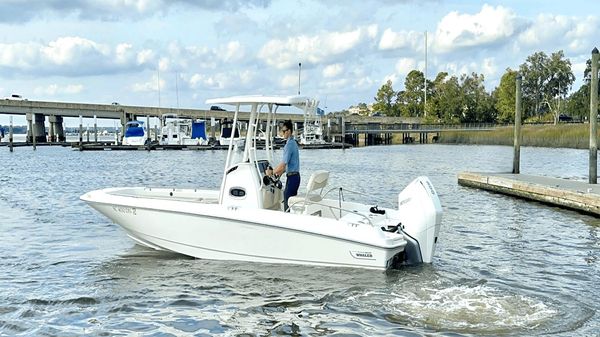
(361,255)
(124,210)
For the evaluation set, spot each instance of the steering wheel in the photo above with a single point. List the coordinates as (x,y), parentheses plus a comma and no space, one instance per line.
(272,180)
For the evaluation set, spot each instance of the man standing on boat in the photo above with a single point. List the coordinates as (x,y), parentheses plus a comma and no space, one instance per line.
(289,164)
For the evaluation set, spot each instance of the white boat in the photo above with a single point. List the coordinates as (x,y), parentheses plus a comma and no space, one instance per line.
(312,130)
(135,133)
(244,219)
(177,130)
(229,133)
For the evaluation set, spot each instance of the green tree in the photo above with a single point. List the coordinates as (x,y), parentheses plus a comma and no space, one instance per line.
(534,75)
(546,81)
(412,98)
(446,99)
(477,103)
(578,104)
(385,99)
(505,96)
(363,109)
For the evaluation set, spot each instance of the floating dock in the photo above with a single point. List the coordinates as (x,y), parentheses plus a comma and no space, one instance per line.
(572,194)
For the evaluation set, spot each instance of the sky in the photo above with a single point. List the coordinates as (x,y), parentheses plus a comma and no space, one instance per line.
(178,53)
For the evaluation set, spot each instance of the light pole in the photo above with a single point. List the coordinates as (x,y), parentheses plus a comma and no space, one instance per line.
(299,70)
(425,81)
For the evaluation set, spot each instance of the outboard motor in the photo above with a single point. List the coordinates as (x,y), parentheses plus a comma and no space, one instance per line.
(421,213)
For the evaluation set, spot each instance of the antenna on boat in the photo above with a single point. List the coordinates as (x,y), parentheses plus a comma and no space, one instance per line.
(299,70)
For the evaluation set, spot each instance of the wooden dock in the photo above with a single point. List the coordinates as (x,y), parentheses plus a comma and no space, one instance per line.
(572,194)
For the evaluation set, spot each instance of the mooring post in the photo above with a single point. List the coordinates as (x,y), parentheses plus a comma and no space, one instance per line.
(517,136)
(594,119)
(80,133)
(95,130)
(148,138)
(343,132)
(10,134)
(33,135)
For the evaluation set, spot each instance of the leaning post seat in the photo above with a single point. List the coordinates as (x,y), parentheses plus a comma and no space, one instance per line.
(314,189)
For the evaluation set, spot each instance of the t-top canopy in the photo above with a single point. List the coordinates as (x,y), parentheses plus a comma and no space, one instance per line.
(297,101)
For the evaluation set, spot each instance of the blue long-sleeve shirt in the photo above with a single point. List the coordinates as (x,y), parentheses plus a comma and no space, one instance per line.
(291,157)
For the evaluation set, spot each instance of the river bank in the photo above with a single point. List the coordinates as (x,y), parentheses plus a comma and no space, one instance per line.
(575,136)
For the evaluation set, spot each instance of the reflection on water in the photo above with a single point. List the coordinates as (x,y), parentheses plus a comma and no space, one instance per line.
(504,266)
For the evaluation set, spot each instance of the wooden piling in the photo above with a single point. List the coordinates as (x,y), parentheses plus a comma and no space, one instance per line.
(10,134)
(34,137)
(80,133)
(343,131)
(95,130)
(517,134)
(593,178)
(148,138)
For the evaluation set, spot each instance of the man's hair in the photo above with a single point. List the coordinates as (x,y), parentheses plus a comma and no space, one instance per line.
(289,125)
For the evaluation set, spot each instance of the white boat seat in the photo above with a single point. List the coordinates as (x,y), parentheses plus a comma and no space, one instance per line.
(314,189)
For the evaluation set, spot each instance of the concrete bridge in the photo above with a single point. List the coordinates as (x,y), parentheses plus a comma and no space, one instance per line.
(374,129)
(36,112)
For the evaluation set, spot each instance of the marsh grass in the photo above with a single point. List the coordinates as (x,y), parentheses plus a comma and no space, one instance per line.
(561,135)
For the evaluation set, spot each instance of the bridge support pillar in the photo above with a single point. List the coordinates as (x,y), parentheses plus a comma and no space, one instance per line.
(29,137)
(51,129)
(35,128)
(57,133)
(125,117)
(39,128)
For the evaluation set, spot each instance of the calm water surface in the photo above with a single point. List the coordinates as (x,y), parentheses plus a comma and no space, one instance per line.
(504,266)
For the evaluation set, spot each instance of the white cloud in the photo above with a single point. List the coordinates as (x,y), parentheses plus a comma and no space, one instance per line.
(149,86)
(289,81)
(221,80)
(487,67)
(55,89)
(70,56)
(315,49)
(574,33)
(492,25)
(111,10)
(66,50)
(145,56)
(333,70)
(405,65)
(233,52)
(391,40)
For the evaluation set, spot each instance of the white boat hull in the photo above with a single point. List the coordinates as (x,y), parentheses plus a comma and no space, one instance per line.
(134,141)
(212,231)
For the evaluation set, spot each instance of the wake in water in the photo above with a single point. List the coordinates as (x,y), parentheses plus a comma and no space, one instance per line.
(470,308)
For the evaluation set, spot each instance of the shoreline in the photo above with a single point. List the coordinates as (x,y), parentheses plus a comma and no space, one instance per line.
(572,135)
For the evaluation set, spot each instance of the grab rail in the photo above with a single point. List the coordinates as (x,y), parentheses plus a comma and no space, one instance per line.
(342,190)
(306,202)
